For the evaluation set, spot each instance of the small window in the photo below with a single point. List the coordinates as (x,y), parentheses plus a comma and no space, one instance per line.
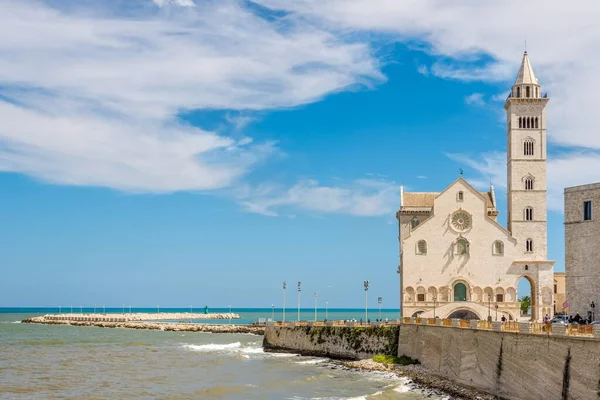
(537,93)
(555,288)
(528,147)
(529,214)
(499,298)
(529,183)
(498,248)
(422,247)
(526,91)
(536,122)
(462,247)
(520,122)
(587,210)
(461,196)
(414,223)
(528,247)
(421,297)
(518,92)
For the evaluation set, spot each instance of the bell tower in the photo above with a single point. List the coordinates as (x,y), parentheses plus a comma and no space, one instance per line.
(526,163)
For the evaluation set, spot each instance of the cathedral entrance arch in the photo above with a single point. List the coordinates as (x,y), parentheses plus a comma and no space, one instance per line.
(463,313)
(526,296)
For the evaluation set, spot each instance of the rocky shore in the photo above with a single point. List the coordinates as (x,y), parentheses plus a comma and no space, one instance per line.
(182,316)
(163,326)
(424,379)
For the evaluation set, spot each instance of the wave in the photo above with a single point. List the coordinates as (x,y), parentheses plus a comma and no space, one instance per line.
(213,347)
(313,361)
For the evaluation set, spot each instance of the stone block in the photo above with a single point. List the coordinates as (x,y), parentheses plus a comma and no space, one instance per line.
(597,331)
(412,320)
(497,326)
(423,321)
(474,324)
(559,329)
(350,324)
(455,322)
(439,322)
(524,327)
(329,323)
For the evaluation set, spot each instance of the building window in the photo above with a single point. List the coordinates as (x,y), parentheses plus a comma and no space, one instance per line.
(526,91)
(518,92)
(462,247)
(421,297)
(460,292)
(520,122)
(587,210)
(529,214)
(529,183)
(498,248)
(499,298)
(536,122)
(414,223)
(537,93)
(461,196)
(528,247)
(422,247)
(555,288)
(528,147)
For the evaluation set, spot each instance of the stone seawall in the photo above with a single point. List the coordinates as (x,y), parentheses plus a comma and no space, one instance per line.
(339,342)
(508,364)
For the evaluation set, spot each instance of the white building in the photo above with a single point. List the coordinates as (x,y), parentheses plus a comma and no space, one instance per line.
(456,260)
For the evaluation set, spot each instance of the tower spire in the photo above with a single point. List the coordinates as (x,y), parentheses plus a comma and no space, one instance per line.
(526,75)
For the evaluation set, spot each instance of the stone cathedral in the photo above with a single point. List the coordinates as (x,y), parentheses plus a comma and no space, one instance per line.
(456,260)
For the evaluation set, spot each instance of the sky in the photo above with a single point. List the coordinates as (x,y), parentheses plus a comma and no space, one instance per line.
(192,152)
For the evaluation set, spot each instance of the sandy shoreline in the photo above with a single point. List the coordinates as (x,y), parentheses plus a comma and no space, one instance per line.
(424,379)
(163,326)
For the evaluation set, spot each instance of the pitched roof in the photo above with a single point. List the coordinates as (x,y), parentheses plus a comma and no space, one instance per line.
(426,199)
(526,75)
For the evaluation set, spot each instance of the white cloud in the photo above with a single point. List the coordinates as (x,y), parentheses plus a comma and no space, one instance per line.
(362,197)
(181,3)
(475,99)
(92,97)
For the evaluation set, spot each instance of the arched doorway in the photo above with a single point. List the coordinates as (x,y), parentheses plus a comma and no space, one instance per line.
(460,292)
(463,314)
(526,297)
(417,314)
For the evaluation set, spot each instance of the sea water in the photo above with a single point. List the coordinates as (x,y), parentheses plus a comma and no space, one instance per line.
(62,361)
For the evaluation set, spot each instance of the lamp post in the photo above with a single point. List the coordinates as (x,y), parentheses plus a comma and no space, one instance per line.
(366,285)
(81,309)
(496,307)
(283,311)
(489,307)
(103,309)
(230,313)
(379,301)
(59,309)
(316,297)
(299,290)
(434,301)
(272,312)
(94,309)
(593,306)
(326,304)
(157,309)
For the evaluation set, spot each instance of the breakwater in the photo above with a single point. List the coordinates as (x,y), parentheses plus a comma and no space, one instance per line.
(342,342)
(137,317)
(163,326)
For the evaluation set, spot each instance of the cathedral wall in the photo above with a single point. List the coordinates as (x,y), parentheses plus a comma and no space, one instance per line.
(582,250)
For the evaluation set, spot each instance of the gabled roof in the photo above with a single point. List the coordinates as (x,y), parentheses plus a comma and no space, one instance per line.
(526,75)
(426,199)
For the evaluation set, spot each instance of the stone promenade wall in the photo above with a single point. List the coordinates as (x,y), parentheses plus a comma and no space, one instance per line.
(508,364)
(342,342)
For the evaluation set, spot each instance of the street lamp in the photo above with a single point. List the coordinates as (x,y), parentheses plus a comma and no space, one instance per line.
(496,307)
(366,285)
(230,314)
(81,309)
(299,290)
(434,301)
(157,309)
(103,309)
(94,309)
(326,304)
(59,309)
(71,309)
(316,297)
(283,311)
(379,301)
(272,312)
(489,307)
(593,313)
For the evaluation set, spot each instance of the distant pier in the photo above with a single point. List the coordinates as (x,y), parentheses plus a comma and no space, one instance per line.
(135,317)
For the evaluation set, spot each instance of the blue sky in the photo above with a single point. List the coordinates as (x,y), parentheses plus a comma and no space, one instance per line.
(200,152)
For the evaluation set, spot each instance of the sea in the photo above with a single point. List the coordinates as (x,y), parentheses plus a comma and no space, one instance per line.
(68,362)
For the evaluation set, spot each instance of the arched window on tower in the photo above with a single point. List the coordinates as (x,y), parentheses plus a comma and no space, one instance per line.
(528,213)
(422,247)
(529,245)
(498,249)
(536,122)
(414,222)
(537,92)
(528,147)
(520,122)
(526,91)
(529,183)
(528,122)
(518,92)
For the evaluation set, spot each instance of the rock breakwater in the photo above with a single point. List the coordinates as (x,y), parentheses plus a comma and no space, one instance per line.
(163,326)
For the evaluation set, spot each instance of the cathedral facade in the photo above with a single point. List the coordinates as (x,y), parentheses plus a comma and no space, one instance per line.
(456,260)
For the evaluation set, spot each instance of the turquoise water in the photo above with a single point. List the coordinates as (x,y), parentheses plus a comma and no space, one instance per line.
(61,361)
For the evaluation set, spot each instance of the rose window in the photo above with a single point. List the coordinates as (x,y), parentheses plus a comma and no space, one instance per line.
(461,220)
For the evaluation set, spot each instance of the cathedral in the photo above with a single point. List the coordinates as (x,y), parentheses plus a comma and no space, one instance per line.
(456,260)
